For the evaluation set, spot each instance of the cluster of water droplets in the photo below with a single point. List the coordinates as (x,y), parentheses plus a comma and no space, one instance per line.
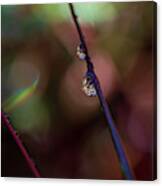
(87,82)
(88,87)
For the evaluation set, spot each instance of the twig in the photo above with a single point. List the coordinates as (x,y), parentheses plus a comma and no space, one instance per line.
(113,130)
(19,143)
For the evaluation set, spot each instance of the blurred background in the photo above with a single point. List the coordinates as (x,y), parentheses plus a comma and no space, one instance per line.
(63,129)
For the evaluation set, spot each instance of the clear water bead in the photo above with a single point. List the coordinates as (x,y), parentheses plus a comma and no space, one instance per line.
(80,53)
(88,87)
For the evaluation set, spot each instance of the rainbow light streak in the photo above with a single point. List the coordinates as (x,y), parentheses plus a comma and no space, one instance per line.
(20,96)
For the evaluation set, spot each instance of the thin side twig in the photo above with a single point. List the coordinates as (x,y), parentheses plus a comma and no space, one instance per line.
(6,122)
(126,170)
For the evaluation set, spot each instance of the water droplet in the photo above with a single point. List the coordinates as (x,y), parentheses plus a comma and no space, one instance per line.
(81,53)
(88,87)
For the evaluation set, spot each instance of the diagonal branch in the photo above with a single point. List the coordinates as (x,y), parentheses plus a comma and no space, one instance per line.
(110,122)
(19,143)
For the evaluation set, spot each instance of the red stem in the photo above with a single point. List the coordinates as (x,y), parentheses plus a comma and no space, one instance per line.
(19,143)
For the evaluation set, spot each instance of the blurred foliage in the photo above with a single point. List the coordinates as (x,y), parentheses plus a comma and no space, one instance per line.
(33,18)
(18,24)
(43,37)
(120,30)
(34,113)
(88,13)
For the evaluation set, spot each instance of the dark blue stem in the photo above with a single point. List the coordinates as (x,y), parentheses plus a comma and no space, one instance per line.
(113,130)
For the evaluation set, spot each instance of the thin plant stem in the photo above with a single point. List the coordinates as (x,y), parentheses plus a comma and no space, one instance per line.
(126,170)
(19,143)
